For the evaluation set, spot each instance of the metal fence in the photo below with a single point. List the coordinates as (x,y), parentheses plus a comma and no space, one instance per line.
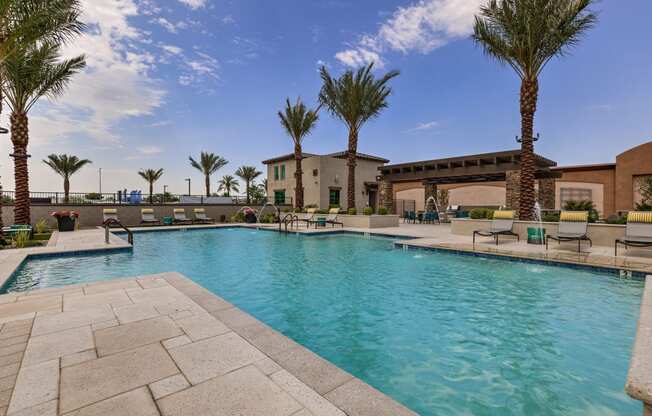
(136,198)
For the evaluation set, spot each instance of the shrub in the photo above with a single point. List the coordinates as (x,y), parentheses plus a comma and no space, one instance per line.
(21,239)
(352,211)
(93,196)
(239,217)
(322,211)
(615,219)
(644,206)
(41,226)
(383,211)
(550,217)
(583,206)
(334,206)
(481,214)
(368,211)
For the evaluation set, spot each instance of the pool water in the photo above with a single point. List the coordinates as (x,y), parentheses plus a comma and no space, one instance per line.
(445,334)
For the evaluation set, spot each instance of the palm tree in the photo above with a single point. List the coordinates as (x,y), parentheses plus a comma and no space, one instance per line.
(526,35)
(29,75)
(151,176)
(66,166)
(228,184)
(355,98)
(298,122)
(248,174)
(208,164)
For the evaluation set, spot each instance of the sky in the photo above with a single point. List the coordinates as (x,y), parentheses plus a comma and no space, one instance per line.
(167,79)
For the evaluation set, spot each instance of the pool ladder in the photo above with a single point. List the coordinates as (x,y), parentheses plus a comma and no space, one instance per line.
(112,221)
(287,219)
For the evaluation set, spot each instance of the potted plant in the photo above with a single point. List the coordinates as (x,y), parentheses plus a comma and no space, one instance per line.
(250,216)
(66,219)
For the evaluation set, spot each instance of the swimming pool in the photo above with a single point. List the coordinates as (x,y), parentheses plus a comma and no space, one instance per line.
(444,334)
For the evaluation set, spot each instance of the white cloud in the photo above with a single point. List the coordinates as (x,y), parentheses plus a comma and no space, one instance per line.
(228,20)
(194,4)
(201,66)
(174,50)
(425,126)
(170,26)
(421,27)
(116,84)
(149,150)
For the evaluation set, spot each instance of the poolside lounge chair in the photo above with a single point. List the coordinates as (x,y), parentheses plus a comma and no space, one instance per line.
(200,216)
(331,218)
(109,214)
(502,224)
(573,226)
(430,217)
(307,216)
(180,216)
(147,216)
(638,232)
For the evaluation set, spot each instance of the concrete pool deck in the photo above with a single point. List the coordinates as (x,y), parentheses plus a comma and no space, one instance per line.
(162,345)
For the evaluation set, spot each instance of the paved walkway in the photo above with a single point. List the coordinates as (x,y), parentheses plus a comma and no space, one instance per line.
(162,345)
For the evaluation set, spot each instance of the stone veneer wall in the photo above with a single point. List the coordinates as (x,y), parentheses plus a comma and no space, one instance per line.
(386,195)
(513,189)
(546,194)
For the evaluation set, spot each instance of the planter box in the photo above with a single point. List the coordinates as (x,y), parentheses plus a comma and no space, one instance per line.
(368,221)
(66,224)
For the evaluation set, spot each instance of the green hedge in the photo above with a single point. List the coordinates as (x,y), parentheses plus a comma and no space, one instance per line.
(368,211)
(481,214)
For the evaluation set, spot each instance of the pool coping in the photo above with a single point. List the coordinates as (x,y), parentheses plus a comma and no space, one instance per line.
(639,376)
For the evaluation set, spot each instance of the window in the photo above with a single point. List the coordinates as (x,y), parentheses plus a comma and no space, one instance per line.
(279,197)
(334,197)
(315,172)
(275,173)
(574,194)
(282,172)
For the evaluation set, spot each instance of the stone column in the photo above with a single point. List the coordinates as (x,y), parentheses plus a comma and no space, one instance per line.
(546,196)
(513,189)
(430,191)
(386,195)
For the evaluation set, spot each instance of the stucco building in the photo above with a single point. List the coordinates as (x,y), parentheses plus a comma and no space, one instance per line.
(492,180)
(325,179)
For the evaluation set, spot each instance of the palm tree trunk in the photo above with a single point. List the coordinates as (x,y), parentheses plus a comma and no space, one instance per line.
(151,193)
(529,96)
(20,138)
(247,183)
(208,185)
(298,190)
(351,163)
(66,190)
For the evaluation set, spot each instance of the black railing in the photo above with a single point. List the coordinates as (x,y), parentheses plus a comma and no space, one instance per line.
(133,198)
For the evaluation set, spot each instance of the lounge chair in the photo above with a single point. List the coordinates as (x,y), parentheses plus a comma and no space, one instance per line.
(180,216)
(11,231)
(307,216)
(147,217)
(200,216)
(411,217)
(573,226)
(638,232)
(331,218)
(109,214)
(502,224)
(430,217)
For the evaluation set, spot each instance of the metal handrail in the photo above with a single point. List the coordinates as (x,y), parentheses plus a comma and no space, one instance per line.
(285,221)
(112,221)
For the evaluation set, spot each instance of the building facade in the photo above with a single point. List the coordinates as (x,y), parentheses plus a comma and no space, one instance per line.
(325,179)
(492,180)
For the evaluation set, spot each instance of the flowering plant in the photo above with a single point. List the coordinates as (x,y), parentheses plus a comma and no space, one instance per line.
(249,211)
(61,214)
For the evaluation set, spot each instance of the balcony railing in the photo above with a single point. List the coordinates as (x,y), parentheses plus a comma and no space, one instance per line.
(76,198)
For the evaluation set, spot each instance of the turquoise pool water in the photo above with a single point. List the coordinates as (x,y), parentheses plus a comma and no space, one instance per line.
(444,334)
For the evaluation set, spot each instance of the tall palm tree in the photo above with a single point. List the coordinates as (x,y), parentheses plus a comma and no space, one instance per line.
(228,184)
(30,75)
(66,166)
(298,122)
(355,98)
(208,164)
(151,176)
(526,35)
(24,22)
(248,174)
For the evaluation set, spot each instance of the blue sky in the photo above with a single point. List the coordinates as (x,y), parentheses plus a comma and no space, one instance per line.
(169,78)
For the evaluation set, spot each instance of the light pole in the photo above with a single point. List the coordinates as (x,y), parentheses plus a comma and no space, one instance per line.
(188,180)
(165,191)
(100,182)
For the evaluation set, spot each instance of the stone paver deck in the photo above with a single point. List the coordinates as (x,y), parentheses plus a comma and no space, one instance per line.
(162,345)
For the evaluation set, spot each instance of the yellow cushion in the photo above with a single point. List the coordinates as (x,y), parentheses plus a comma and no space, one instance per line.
(110,211)
(179,211)
(640,216)
(503,215)
(574,216)
(147,211)
(200,210)
(311,210)
(334,211)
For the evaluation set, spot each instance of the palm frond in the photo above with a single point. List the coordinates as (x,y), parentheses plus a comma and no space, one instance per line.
(65,165)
